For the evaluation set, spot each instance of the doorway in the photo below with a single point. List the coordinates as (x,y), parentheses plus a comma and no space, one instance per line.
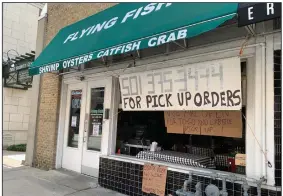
(86,128)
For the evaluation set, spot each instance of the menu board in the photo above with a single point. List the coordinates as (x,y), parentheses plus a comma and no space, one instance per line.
(214,123)
(96,123)
(154,179)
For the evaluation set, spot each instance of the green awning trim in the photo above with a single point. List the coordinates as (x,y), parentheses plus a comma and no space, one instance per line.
(128,27)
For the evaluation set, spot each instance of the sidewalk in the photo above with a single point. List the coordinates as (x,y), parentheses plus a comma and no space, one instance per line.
(27,181)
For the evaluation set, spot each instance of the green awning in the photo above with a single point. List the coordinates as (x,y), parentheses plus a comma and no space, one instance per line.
(127,27)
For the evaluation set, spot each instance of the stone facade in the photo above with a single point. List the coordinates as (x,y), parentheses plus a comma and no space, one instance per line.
(16,111)
(19,28)
(19,34)
(59,16)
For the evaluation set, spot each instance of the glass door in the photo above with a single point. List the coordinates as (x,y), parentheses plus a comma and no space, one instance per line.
(73,134)
(96,126)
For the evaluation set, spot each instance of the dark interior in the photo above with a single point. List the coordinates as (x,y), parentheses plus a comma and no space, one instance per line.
(144,127)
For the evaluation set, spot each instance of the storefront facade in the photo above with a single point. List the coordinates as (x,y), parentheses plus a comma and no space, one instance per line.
(75,101)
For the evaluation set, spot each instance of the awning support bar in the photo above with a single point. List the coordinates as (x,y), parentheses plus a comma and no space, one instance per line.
(138,54)
(251,29)
(179,45)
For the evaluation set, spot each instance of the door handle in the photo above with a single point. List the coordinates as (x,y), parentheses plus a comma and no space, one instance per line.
(84,139)
(86,122)
(85,128)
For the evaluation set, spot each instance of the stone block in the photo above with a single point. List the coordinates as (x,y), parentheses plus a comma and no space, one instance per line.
(13,8)
(29,93)
(16,117)
(7,31)
(5,126)
(31,31)
(23,110)
(7,23)
(13,109)
(19,93)
(10,109)
(6,117)
(18,35)
(11,101)
(29,38)
(24,102)
(25,126)
(23,50)
(6,108)
(11,16)
(7,46)
(16,26)
(7,92)
(15,126)
(23,43)
(10,40)
(20,137)
(26,118)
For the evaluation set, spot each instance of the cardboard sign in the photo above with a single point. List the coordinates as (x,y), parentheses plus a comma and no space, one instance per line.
(214,123)
(154,179)
(240,159)
(174,122)
(212,85)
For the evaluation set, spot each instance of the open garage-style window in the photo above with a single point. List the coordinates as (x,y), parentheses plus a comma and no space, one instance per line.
(204,138)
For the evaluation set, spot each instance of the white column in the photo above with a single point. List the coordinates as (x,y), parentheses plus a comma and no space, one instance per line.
(250,119)
(255,128)
(259,131)
(61,125)
(107,137)
(114,116)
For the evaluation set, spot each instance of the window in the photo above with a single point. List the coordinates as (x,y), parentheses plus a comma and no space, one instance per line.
(136,130)
(96,119)
(74,124)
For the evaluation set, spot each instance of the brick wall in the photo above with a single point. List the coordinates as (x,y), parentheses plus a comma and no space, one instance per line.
(59,16)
